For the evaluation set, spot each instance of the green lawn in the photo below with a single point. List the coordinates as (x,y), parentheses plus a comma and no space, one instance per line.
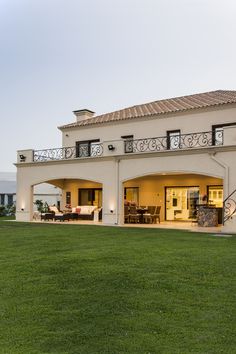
(88,289)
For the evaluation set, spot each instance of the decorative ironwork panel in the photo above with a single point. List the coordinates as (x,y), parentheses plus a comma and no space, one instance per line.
(175,142)
(96,150)
(83,150)
(229,206)
(66,153)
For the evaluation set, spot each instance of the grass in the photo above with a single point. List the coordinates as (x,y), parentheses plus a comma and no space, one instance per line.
(68,289)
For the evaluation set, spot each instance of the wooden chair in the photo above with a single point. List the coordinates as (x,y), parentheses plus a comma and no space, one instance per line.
(126,214)
(157,213)
(133,214)
(152,215)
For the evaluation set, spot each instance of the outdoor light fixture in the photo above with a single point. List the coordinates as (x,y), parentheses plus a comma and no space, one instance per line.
(22,157)
(22,209)
(112,211)
(111,147)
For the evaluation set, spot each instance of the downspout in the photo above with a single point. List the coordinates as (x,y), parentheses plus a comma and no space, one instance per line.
(117,191)
(226,167)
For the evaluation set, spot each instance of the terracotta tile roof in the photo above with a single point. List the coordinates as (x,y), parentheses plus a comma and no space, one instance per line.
(170,105)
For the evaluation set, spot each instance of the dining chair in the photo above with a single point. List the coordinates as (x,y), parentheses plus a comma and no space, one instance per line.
(133,214)
(153,214)
(126,214)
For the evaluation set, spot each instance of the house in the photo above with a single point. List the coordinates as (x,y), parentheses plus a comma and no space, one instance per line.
(174,153)
(45,192)
(7,188)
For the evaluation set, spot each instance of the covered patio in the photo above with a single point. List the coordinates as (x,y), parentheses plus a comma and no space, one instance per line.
(175,200)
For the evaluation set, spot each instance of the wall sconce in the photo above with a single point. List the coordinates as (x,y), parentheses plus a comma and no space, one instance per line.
(22,209)
(22,158)
(111,211)
(111,147)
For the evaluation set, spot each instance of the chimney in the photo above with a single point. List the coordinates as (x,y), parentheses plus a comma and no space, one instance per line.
(83,114)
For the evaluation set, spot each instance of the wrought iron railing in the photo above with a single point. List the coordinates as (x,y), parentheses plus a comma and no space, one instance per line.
(65,153)
(173,142)
(229,206)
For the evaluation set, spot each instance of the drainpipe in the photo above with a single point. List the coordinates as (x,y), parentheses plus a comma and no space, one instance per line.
(117,190)
(226,167)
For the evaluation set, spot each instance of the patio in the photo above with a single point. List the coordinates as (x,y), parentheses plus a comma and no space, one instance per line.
(187,226)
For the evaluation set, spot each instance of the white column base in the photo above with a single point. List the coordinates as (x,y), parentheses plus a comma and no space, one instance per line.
(23,216)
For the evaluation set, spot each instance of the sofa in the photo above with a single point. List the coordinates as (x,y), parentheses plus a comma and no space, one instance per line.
(85,212)
(55,214)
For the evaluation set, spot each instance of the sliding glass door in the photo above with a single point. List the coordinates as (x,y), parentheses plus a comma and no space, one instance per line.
(181,203)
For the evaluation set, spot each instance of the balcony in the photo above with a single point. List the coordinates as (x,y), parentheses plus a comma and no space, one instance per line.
(172,142)
(66,153)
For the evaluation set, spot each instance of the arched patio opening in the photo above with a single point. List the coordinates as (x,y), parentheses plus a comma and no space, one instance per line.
(72,195)
(178,195)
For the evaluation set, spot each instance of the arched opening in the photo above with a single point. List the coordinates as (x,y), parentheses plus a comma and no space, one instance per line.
(71,196)
(178,196)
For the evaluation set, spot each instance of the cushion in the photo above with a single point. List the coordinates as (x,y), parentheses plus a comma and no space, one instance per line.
(84,209)
(54,209)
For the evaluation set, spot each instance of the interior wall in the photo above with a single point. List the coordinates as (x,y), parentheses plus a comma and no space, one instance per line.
(152,188)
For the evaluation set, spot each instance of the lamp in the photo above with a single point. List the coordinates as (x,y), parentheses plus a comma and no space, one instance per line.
(111,147)
(22,157)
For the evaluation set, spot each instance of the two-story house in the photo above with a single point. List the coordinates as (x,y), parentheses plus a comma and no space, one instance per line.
(175,153)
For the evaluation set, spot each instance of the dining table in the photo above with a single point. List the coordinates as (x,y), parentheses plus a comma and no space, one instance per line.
(141,211)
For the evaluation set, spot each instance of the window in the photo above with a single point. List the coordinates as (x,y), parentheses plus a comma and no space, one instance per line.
(217,133)
(10,199)
(215,196)
(217,138)
(90,196)
(2,199)
(68,198)
(128,140)
(173,139)
(86,148)
(131,195)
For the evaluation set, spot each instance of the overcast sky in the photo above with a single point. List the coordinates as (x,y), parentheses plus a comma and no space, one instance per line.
(61,55)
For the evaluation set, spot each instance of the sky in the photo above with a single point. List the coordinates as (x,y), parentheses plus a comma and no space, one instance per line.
(57,56)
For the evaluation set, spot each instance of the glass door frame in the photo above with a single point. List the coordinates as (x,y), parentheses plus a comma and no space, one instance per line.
(166,187)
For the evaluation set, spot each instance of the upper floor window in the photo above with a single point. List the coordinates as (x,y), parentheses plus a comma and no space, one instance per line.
(218,136)
(128,139)
(173,139)
(86,148)
(218,133)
